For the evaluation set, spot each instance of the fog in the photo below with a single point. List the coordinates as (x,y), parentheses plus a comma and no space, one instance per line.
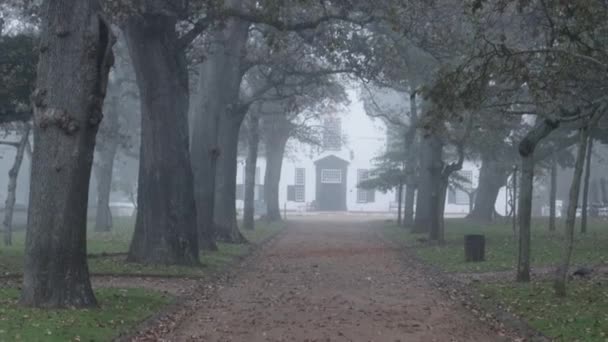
(165,136)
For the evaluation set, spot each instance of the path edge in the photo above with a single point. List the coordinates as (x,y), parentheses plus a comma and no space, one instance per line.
(456,291)
(174,314)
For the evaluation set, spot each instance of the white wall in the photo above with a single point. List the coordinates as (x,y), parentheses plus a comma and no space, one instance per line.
(365,139)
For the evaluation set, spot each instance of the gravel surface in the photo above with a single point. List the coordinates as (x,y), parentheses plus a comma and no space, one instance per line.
(329,280)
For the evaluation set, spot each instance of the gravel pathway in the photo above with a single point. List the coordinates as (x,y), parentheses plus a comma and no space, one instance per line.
(330,280)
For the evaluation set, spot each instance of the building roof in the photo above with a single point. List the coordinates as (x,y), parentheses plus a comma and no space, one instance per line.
(331,158)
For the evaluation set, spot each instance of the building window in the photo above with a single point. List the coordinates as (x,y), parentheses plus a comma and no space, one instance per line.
(300,187)
(331,176)
(300,176)
(363,195)
(291,193)
(466,179)
(300,194)
(332,134)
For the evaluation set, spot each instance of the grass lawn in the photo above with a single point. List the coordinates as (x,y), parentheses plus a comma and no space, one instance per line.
(119,311)
(501,247)
(117,241)
(582,316)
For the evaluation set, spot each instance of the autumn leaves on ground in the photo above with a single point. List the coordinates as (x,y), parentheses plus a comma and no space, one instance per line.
(320,279)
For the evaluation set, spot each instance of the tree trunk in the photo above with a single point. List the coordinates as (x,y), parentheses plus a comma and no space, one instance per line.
(526,151)
(219,86)
(224,215)
(75,59)
(429,185)
(276,137)
(585,207)
(492,177)
(250,171)
(437,229)
(411,163)
(604,190)
(553,194)
(103,171)
(562,271)
(165,231)
(13,175)
(399,204)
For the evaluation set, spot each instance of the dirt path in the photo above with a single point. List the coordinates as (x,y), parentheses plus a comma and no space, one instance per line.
(330,281)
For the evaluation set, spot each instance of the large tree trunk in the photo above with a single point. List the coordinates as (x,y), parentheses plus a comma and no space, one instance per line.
(492,177)
(399,204)
(526,151)
(411,163)
(604,190)
(585,207)
(408,205)
(104,167)
(429,185)
(165,231)
(219,86)
(437,230)
(553,194)
(276,137)
(224,215)
(13,175)
(253,142)
(75,59)
(562,271)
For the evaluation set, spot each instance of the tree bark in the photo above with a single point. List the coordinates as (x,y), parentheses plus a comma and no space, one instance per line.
(492,177)
(75,59)
(250,171)
(526,151)
(276,137)
(553,194)
(561,273)
(166,223)
(437,229)
(224,215)
(604,190)
(411,163)
(585,207)
(399,204)
(103,170)
(13,175)
(219,87)
(429,186)
(408,205)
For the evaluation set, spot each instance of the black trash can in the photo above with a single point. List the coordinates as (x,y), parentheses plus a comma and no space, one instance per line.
(474,248)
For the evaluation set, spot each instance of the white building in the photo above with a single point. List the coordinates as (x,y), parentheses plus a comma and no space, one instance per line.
(328,180)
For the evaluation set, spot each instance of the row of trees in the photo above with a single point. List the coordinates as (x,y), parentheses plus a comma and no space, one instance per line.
(470,71)
(257,62)
(513,82)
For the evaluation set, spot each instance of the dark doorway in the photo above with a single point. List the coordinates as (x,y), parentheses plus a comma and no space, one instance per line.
(332,173)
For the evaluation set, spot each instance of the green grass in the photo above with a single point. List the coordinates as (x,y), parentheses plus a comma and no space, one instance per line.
(263,231)
(117,241)
(501,247)
(582,316)
(119,311)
